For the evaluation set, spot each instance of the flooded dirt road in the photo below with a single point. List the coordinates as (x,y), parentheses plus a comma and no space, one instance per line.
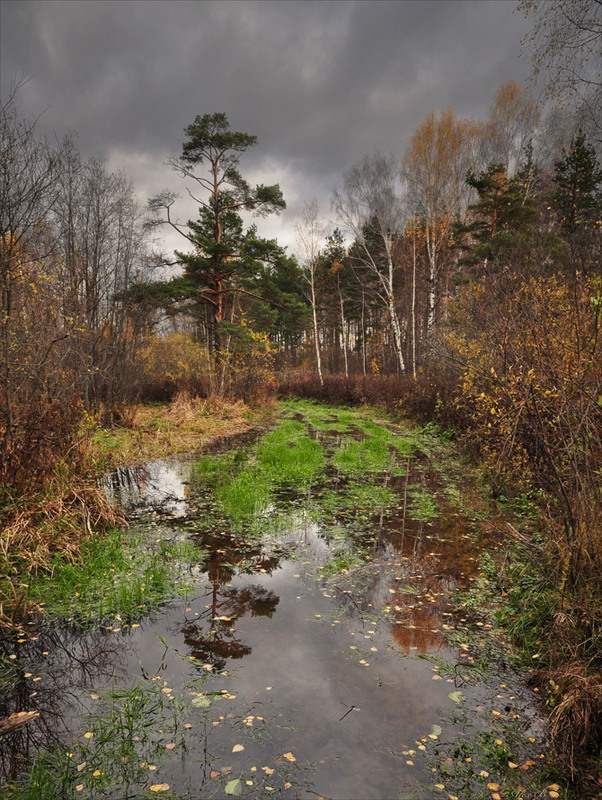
(315,654)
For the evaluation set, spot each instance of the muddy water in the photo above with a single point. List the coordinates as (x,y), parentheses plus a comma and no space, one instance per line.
(308,686)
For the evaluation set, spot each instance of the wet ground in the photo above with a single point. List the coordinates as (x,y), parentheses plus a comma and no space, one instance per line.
(273,676)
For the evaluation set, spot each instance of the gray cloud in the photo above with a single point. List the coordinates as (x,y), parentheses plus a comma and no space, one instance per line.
(319,83)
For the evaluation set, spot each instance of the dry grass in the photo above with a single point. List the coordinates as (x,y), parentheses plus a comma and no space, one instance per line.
(37,528)
(186,424)
(576,720)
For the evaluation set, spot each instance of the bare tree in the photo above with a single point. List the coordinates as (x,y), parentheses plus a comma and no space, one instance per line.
(27,193)
(371,208)
(512,124)
(565,46)
(434,167)
(310,234)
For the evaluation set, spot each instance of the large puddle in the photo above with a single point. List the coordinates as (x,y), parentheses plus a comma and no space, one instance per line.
(273,676)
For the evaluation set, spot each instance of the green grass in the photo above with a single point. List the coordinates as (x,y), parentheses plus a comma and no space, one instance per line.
(289,457)
(244,483)
(424,507)
(370,455)
(244,497)
(116,577)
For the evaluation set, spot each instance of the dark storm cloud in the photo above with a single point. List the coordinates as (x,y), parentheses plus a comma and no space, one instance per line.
(318,82)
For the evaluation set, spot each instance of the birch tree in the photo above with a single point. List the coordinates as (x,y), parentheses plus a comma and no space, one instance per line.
(434,167)
(310,234)
(371,208)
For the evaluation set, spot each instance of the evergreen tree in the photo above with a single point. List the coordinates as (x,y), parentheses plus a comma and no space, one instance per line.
(577,176)
(226,260)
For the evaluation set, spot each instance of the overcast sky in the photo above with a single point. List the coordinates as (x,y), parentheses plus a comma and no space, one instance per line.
(319,82)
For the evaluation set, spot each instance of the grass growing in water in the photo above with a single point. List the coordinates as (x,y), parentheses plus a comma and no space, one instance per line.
(243,486)
(424,507)
(370,455)
(116,577)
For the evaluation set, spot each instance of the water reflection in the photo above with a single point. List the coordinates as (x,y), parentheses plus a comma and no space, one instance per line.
(51,674)
(159,486)
(211,637)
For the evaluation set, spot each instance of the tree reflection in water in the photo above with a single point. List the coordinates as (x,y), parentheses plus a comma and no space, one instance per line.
(50,675)
(212,636)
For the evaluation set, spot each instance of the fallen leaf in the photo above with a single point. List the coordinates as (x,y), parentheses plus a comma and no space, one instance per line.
(234,788)
(289,756)
(238,748)
(214,773)
(159,787)
(201,701)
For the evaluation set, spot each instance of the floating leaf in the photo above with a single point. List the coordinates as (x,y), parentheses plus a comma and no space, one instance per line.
(234,788)
(159,787)
(456,697)
(201,701)
(437,730)
(238,748)
(289,756)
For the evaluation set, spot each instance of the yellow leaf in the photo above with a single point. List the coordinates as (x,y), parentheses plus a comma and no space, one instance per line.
(159,787)
(88,735)
(238,748)
(289,757)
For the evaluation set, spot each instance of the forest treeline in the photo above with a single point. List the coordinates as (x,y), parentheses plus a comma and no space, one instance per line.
(461,283)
